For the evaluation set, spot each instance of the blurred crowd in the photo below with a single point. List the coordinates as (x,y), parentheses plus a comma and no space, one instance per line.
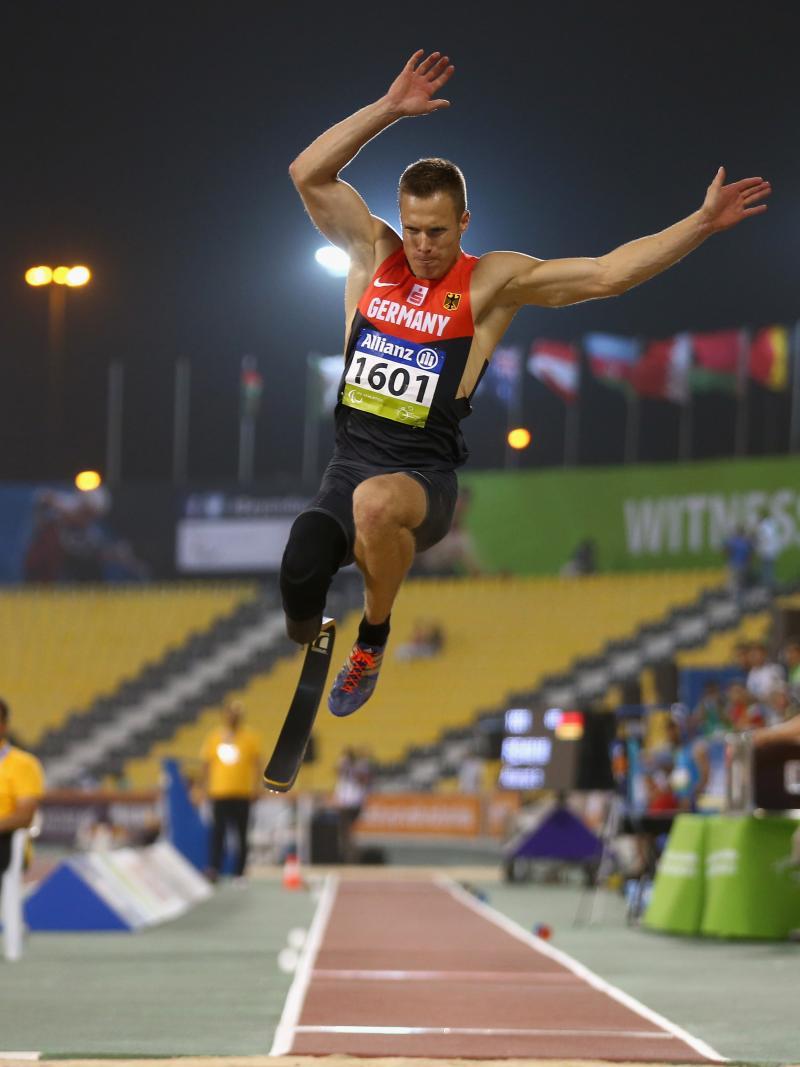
(680,766)
(752,553)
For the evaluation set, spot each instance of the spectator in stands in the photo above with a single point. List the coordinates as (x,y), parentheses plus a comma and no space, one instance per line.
(739,553)
(791,657)
(582,561)
(21,788)
(780,705)
(741,658)
(708,718)
(470,772)
(764,675)
(676,771)
(767,548)
(231,780)
(425,642)
(742,711)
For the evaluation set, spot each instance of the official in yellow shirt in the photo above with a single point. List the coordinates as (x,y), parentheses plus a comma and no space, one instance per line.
(232,769)
(21,788)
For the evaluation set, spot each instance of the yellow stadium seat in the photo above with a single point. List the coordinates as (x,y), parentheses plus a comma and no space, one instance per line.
(62,648)
(501,635)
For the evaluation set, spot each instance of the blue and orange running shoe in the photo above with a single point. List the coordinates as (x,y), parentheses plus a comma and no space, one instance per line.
(355,683)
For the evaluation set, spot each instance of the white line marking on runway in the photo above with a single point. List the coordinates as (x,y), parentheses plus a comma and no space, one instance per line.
(20,1056)
(546,978)
(593,979)
(284,1034)
(482,1031)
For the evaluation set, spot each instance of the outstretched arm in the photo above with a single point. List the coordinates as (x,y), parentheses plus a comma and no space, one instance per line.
(559,282)
(334,206)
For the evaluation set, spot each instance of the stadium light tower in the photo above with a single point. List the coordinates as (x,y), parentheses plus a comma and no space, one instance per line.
(57,280)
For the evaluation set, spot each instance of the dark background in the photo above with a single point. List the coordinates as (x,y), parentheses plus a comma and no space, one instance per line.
(151,141)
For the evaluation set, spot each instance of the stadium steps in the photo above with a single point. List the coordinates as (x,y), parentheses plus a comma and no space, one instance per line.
(63,648)
(691,626)
(152,706)
(501,634)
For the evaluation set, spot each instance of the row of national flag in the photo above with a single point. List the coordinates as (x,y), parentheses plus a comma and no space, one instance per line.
(671,369)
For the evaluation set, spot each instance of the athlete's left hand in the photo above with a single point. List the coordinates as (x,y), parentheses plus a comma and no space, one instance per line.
(413,90)
(726,205)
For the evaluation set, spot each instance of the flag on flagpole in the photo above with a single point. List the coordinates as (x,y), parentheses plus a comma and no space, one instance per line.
(556,364)
(325,373)
(611,357)
(769,358)
(715,361)
(502,377)
(663,370)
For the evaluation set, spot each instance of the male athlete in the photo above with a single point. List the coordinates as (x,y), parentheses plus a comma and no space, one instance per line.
(422,319)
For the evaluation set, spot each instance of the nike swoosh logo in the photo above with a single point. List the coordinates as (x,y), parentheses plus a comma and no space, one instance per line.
(382,285)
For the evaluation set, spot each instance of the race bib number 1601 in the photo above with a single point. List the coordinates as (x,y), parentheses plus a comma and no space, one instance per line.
(393,378)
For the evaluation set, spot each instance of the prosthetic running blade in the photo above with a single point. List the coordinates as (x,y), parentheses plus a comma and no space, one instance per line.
(281,771)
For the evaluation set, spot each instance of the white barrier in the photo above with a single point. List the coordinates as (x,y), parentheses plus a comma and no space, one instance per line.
(11,898)
(120,889)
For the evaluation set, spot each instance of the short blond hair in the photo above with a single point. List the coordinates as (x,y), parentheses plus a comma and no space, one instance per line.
(434,175)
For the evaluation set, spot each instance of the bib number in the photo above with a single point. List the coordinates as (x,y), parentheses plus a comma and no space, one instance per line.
(393,378)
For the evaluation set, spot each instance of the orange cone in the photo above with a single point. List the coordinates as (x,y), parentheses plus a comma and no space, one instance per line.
(292,878)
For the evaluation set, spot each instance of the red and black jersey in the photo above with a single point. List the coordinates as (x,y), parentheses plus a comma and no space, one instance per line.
(406,355)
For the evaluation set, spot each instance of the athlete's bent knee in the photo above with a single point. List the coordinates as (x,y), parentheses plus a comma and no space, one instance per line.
(374,508)
(313,555)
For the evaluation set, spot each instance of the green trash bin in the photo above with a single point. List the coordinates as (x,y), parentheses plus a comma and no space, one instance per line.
(676,903)
(752,885)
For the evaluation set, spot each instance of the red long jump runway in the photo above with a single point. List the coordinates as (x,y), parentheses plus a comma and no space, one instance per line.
(420,968)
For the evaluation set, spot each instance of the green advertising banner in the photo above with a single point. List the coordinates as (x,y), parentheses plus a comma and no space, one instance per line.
(752,883)
(676,904)
(641,517)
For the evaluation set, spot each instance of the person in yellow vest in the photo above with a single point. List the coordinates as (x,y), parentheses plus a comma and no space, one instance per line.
(231,756)
(21,788)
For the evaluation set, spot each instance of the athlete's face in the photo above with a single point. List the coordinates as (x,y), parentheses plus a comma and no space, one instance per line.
(431,233)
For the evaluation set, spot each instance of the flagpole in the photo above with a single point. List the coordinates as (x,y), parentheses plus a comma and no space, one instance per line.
(180,429)
(513,419)
(743,394)
(311,426)
(116,384)
(794,418)
(685,429)
(632,412)
(572,418)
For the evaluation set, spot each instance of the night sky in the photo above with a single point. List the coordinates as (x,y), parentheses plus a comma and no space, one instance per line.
(152,141)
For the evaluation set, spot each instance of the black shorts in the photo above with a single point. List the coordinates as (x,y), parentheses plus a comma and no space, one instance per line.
(342,475)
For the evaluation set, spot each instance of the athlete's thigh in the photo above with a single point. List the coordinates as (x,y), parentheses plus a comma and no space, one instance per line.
(397,498)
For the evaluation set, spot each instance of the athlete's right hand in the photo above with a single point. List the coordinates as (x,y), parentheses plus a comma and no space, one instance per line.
(420,79)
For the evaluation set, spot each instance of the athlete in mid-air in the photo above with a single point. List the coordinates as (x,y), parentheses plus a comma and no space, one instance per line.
(422,318)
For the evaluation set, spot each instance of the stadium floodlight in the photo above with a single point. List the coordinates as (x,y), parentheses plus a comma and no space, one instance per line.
(87,481)
(37,276)
(519,438)
(74,277)
(77,276)
(333,260)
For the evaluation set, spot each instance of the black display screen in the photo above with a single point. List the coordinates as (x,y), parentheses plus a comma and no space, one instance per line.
(541,748)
